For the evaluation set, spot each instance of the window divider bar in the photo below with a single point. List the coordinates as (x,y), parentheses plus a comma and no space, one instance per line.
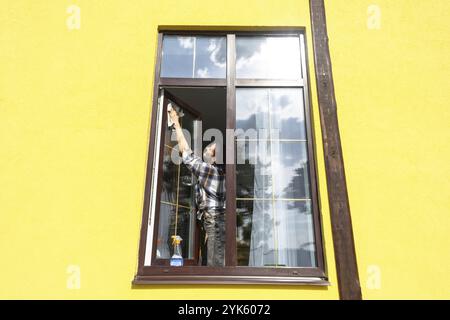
(197,82)
(174,204)
(269,83)
(270,199)
(230,174)
(279,140)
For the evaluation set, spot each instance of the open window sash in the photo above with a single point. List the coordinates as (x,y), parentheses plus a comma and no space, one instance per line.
(174,205)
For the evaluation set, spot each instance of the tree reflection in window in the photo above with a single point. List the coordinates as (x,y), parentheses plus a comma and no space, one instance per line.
(274,215)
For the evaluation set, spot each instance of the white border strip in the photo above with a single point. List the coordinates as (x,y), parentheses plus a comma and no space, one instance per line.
(150,230)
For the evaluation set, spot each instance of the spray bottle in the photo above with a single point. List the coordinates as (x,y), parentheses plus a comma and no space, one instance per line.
(177,258)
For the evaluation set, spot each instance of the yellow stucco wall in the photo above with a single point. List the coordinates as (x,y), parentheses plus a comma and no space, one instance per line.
(392,90)
(74,130)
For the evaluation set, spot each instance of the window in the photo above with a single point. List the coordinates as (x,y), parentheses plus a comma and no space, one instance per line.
(249,90)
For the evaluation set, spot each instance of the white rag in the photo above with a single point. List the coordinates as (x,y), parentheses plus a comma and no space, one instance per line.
(177,109)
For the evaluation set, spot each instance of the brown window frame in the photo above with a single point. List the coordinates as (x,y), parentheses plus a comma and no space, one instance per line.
(231,273)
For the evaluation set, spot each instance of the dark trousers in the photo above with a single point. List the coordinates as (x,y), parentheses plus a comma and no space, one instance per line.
(213,225)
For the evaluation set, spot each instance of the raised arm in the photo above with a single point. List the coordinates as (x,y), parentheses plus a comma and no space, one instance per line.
(182,143)
(202,170)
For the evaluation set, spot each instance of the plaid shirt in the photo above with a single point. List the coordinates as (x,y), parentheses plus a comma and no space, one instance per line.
(210,187)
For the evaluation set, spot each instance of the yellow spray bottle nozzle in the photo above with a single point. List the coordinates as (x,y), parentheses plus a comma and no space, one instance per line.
(176,240)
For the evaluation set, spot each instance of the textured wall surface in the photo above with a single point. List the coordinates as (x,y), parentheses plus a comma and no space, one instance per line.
(391,74)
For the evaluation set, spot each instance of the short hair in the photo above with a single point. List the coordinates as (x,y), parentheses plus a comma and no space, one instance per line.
(218,154)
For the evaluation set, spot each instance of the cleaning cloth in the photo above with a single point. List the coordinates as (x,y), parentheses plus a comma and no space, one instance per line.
(177,109)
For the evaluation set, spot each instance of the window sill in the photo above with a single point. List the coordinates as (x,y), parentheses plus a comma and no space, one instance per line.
(217,279)
(150,275)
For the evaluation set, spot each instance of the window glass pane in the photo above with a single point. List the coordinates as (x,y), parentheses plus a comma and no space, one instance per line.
(287,115)
(177,57)
(274,219)
(284,108)
(175,220)
(210,57)
(252,113)
(253,170)
(170,138)
(268,58)
(193,57)
(266,169)
(290,170)
(169,180)
(275,233)
(186,184)
(177,187)
(177,196)
(177,183)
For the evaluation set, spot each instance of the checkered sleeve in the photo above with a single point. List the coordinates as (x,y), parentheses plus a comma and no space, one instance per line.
(201,170)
